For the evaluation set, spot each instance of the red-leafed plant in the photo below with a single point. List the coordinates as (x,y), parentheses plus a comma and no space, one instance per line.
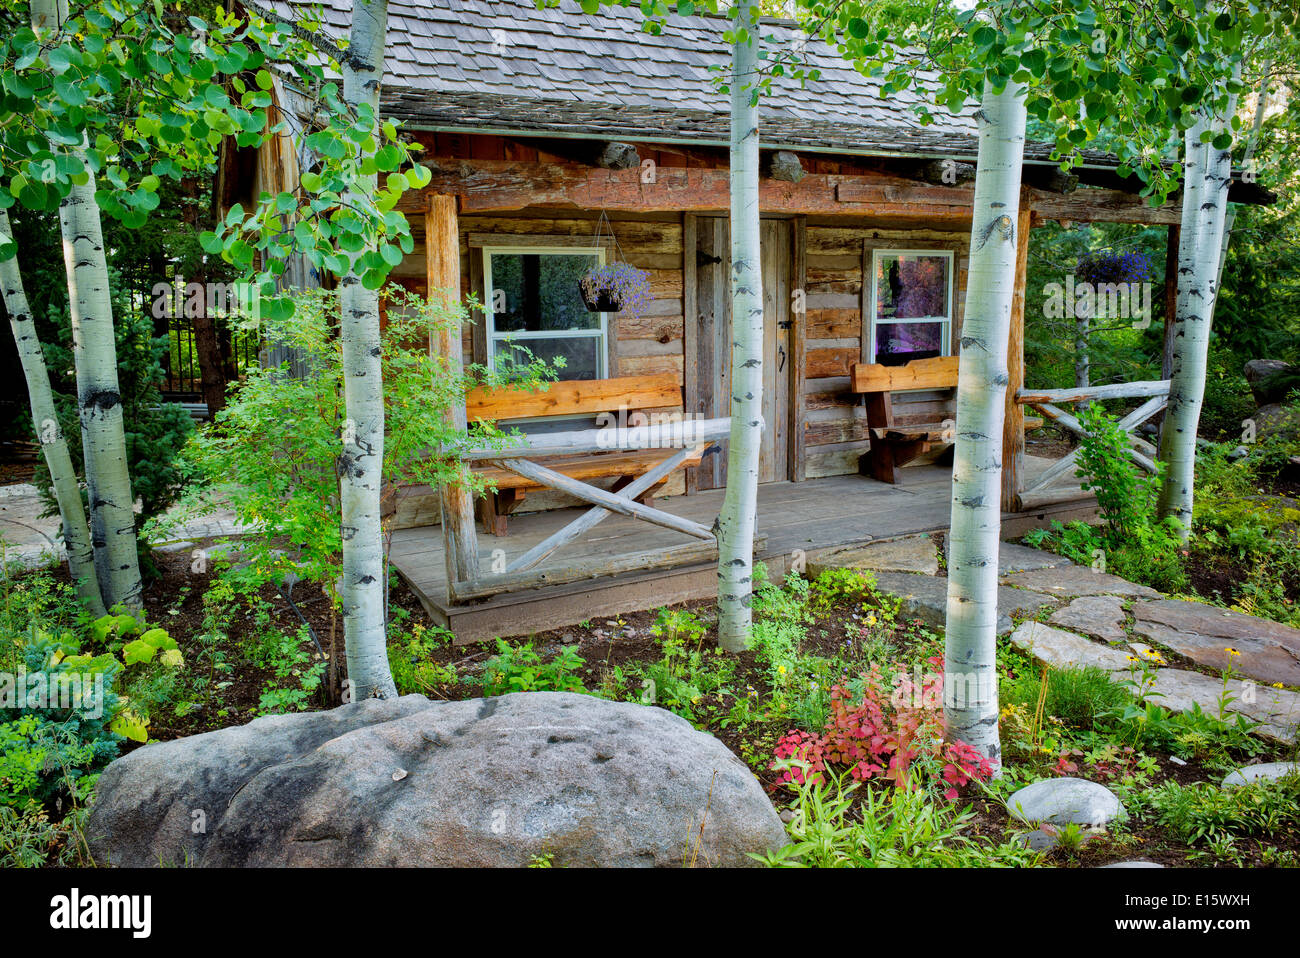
(876,734)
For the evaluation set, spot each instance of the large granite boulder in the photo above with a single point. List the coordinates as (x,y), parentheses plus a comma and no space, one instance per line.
(1259,372)
(408,782)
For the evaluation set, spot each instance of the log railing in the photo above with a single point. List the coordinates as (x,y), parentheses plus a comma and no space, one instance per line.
(1049,401)
(686,437)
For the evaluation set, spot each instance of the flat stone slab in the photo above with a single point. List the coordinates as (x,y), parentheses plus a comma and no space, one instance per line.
(1061,649)
(1017,558)
(1278,710)
(1062,801)
(925,597)
(1075,580)
(1013,557)
(1099,616)
(1265,771)
(1269,651)
(913,554)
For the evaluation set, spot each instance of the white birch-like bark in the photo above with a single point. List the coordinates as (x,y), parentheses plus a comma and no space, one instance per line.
(54,447)
(970,673)
(735,525)
(99,398)
(361,462)
(1081,364)
(1208,173)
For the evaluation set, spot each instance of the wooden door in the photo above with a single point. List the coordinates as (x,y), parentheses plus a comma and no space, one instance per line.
(713,329)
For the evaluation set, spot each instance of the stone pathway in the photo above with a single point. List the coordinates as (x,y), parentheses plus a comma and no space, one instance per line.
(33,541)
(1095,619)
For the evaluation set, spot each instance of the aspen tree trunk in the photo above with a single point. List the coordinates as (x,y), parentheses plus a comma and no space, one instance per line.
(735,524)
(1081,370)
(99,400)
(1208,174)
(360,464)
(67,491)
(970,673)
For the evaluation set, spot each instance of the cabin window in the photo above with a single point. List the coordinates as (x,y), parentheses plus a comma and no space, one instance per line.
(910,305)
(534,304)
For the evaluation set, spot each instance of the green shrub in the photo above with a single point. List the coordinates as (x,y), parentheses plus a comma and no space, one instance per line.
(413,670)
(1208,813)
(891,828)
(89,684)
(519,668)
(1130,542)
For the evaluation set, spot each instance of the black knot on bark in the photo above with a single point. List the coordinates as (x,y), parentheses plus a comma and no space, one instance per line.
(103,400)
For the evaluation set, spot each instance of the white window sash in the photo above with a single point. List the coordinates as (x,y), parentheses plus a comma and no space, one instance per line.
(945,341)
(494,337)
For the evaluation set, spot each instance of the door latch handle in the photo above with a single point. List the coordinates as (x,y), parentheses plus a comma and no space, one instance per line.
(780,352)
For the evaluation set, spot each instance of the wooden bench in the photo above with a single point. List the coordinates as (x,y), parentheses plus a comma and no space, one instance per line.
(895,444)
(625,397)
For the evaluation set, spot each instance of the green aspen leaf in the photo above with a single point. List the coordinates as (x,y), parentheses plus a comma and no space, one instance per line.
(60,59)
(419,177)
(1223,141)
(264,79)
(389,157)
(17,85)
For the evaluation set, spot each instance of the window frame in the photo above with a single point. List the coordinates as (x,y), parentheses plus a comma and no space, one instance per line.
(492,337)
(946,322)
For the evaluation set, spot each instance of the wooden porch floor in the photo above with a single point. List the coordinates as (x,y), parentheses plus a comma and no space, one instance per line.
(813,515)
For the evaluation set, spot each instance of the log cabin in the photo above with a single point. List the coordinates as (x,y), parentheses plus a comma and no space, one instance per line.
(559,141)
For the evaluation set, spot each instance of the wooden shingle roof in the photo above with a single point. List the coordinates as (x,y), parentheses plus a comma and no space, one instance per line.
(505,66)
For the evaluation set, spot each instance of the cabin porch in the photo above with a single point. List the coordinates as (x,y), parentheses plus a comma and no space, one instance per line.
(794,519)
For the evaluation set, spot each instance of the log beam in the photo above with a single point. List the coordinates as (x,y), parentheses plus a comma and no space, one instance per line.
(490,186)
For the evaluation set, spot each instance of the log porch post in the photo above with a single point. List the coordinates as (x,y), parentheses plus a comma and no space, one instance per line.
(1013,428)
(442,268)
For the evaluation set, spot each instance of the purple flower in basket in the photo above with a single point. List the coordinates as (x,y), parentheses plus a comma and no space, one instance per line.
(616,288)
(1107,266)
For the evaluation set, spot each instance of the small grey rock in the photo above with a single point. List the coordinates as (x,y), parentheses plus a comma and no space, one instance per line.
(1061,801)
(1265,771)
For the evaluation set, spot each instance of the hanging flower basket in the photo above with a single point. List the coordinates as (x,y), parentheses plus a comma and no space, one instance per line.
(616,288)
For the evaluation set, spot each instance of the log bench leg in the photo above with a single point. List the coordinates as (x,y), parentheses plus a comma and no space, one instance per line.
(495,508)
(878,461)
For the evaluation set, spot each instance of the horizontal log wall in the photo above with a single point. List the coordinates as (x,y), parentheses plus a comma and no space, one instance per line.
(836,425)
